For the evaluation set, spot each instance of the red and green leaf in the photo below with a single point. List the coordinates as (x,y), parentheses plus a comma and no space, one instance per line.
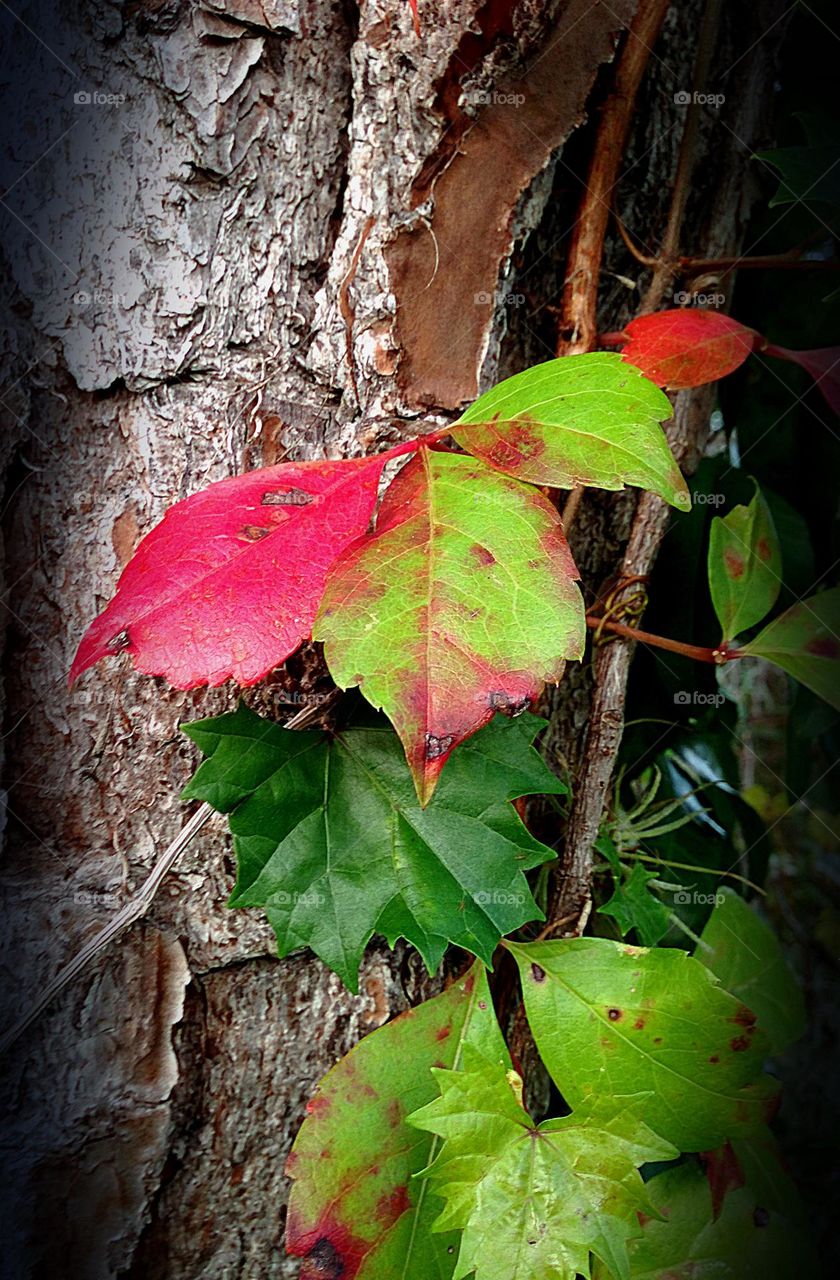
(228,583)
(462,603)
(805,642)
(580,420)
(744,566)
(356,1210)
(684,347)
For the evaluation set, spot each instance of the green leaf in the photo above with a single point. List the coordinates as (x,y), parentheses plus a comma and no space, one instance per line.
(633,906)
(331,841)
(355,1209)
(462,603)
(747,1242)
(534,1200)
(805,642)
(744,954)
(588,419)
(745,566)
(810,173)
(607,1016)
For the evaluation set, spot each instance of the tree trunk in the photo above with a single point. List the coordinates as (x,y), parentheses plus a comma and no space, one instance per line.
(238,231)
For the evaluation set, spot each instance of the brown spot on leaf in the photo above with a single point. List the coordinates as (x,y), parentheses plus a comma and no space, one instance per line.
(483,555)
(763,549)
(317,1105)
(823,647)
(287,498)
(615,1015)
(323,1262)
(253,532)
(733,563)
(639,1024)
(744,1017)
(739,1044)
(442,1033)
(508,706)
(537,973)
(437,747)
(714,1060)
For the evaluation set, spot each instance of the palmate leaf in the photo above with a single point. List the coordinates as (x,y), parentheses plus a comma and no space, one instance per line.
(684,1241)
(331,841)
(228,583)
(463,602)
(684,347)
(586,419)
(745,566)
(742,951)
(805,642)
(355,1210)
(533,1201)
(634,906)
(610,1018)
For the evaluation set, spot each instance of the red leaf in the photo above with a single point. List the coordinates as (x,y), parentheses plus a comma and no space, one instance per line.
(686,348)
(823,364)
(229,581)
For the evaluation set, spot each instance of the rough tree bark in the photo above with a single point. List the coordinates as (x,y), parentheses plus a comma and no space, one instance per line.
(294,226)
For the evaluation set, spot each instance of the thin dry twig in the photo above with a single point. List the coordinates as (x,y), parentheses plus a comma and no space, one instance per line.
(128,915)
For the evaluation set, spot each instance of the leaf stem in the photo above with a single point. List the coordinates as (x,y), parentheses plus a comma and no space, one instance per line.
(699,653)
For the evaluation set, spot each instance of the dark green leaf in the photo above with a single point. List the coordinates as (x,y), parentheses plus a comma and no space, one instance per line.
(805,642)
(331,840)
(633,906)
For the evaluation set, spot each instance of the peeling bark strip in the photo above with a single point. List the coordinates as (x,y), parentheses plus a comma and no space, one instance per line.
(453,272)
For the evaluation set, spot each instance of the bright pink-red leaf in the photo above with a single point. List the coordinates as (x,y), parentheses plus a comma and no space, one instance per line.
(823,364)
(228,583)
(686,348)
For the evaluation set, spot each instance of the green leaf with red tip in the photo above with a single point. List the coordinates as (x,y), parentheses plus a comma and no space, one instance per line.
(684,1240)
(743,953)
(805,642)
(355,1205)
(744,565)
(330,839)
(580,420)
(607,1016)
(460,604)
(682,348)
(534,1201)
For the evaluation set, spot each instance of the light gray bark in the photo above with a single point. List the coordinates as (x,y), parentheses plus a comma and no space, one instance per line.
(177,264)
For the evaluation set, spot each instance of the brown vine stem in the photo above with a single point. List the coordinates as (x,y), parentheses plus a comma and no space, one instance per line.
(578,329)
(699,653)
(133,910)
